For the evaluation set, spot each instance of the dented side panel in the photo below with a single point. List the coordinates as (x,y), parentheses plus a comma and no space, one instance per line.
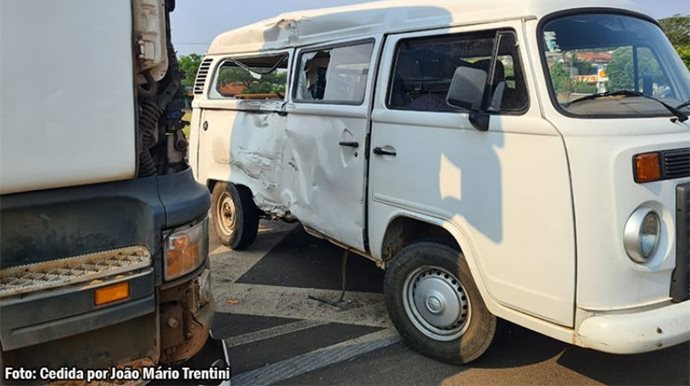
(324,186)
(243,143)
(300,160)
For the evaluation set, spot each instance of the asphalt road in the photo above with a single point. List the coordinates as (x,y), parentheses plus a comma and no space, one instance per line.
(273,312)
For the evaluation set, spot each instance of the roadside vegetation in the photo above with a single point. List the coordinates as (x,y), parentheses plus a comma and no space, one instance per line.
(677,29)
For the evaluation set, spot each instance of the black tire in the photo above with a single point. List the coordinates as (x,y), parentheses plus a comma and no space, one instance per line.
(234,215)
(418,262)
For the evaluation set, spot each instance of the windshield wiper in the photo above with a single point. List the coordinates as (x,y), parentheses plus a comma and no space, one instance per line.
(682,117)
(683,105)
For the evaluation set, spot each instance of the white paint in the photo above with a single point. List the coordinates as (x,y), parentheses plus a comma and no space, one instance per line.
(514,197)
(316,26)
(636,332)
(67,115)
(450,185)
(317,359)
(514,206)
(268,333)
(604,197)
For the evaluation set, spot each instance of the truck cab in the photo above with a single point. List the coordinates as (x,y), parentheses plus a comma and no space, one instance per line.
(104,241)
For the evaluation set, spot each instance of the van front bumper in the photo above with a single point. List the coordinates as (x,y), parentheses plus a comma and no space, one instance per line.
(636,332)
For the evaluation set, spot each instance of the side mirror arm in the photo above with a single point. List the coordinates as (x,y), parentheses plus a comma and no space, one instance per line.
(480,120)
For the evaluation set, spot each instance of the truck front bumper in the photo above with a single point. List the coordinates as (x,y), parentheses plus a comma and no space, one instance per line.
(636,332)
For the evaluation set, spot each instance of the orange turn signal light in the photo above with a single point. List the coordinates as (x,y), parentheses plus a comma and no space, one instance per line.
(112,293)
(182,256)
(647,167)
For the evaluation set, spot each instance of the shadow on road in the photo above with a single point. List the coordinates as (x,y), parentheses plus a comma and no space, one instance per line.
(518,356)
(518,347)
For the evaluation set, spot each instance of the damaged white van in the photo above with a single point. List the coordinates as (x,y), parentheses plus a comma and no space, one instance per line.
(527,160)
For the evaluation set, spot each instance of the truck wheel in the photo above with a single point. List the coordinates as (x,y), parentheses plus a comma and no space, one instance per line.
(234,215)
(435,304)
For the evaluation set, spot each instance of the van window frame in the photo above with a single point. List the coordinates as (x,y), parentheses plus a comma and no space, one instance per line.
(229,58)
(454,110)
(309,49)
(541,46)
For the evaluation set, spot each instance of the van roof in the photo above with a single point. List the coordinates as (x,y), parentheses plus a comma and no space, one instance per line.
(328,24)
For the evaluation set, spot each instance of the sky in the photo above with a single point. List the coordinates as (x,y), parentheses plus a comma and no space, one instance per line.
(196,22)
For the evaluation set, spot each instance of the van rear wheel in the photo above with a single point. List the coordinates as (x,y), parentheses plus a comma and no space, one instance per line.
(435,305)
(234,215)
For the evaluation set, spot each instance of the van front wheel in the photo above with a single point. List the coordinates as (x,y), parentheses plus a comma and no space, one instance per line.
(435,304)
(234,215)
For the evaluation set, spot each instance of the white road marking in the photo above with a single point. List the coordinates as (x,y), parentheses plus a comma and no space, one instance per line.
(317,359)
(360,308)
(272,332)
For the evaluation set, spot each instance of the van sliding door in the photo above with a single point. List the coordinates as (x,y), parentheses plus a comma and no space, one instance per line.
(327,129)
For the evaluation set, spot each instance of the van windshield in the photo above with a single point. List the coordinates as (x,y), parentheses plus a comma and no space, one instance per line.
(610,65)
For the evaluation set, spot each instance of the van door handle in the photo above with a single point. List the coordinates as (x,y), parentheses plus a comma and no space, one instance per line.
(353,145)
(386,150)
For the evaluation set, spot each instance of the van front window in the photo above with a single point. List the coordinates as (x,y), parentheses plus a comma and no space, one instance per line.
(610,65)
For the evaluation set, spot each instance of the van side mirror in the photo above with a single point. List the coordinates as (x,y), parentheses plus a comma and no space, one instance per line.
(467,92)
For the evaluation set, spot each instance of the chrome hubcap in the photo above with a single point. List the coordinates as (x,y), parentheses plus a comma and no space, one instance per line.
(225,213)
(436,303)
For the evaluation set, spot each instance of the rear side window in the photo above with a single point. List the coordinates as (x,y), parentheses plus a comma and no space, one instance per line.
(260,78)
(424,70)
(334,75)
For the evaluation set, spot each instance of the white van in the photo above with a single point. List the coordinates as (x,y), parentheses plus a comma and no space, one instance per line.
(461,146)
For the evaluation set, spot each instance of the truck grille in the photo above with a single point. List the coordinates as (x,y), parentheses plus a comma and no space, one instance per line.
(680,283)
(72,270)
(676,163)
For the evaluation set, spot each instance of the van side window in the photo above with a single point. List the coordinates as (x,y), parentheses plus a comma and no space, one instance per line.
(334,75)
(424,69)
(260,78)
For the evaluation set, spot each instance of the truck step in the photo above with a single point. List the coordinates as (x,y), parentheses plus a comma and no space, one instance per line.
(57,273)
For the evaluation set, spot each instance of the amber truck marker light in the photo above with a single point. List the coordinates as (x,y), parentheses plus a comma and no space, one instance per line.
(112,293)
(647,167)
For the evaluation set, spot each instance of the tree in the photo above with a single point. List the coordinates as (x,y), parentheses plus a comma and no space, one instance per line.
(620,70)
(561,78)
(189,65)
(253,83)
(677,28)
(684,53)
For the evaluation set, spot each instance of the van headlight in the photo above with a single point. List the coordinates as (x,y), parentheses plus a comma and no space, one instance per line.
(185,250)
(642,234)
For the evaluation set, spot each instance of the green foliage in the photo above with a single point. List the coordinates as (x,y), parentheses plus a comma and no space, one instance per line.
(189,65)
(560,78)
(583,67)
(234,74)
(273,83)
(684,53)
(621,71)
(677,28)
(584,88)
(564,83)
